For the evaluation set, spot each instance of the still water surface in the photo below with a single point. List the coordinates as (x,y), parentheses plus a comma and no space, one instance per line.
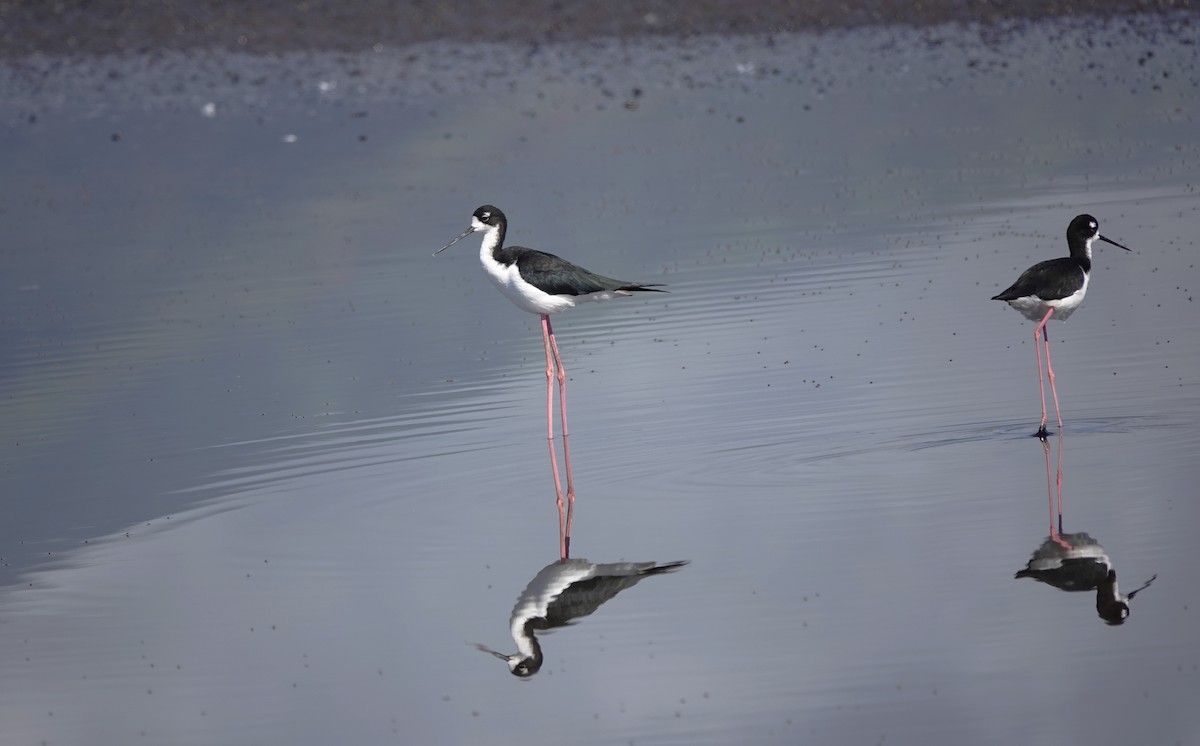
(271,470)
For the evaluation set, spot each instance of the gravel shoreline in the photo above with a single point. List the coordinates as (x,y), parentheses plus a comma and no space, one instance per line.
(102,27)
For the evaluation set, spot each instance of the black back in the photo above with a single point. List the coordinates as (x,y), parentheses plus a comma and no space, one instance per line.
(1049,280)
(557,276)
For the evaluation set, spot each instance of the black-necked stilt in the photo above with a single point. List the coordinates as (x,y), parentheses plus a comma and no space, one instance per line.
(1055,288)
(561,593)
(543,284)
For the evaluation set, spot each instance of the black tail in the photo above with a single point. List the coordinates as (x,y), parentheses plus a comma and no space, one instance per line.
(652,287)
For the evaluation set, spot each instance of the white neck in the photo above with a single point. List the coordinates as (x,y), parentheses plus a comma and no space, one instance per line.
(491,242)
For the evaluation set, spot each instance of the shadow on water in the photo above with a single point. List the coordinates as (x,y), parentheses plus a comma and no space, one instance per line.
(562,593)
(1076,561)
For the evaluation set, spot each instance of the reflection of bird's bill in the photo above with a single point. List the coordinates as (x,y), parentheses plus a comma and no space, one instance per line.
(1144,587)
(485,649)
(461,236)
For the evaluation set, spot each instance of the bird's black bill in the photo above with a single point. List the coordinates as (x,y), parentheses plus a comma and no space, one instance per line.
(1102,238)
(471,230)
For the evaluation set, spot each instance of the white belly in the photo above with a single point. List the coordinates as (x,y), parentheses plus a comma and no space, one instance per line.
(526,297)
(1035,308)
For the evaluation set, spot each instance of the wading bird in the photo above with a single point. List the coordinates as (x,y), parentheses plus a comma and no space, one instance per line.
(543,284)
(1055,288)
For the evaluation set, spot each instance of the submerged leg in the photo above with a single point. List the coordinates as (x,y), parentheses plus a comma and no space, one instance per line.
(1039,331)
(562,402)
(558,494)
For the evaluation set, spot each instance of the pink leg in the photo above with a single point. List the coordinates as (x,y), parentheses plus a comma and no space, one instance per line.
(558,494)
(1038,331)
(562,401)
(1050,375)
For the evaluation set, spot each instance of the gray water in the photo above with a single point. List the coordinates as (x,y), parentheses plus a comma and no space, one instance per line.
(270,470)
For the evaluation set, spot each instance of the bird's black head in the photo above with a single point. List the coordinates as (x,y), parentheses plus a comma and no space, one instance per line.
(489,215)
(1082,231)
(1083,227)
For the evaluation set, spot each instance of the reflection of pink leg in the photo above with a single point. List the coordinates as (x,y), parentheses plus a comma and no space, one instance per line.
(1058,480)
(562,401)
(1039,331)
(558,494)
(1052,486)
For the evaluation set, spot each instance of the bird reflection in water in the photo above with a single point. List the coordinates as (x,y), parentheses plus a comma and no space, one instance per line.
(1076,562)
(563,592)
